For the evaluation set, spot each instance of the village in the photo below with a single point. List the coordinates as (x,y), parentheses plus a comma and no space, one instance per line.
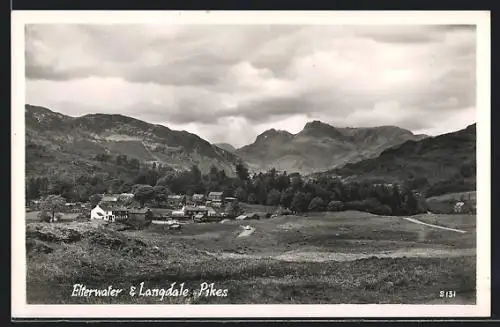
(175,211)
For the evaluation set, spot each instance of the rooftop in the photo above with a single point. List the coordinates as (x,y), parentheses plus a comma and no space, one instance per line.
(175,196)
(110,207)
(193,208)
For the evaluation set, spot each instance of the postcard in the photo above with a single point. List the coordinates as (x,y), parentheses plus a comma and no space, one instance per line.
(176,164)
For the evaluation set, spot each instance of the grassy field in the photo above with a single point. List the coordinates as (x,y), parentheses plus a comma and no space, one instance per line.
(460,196)
(345,257)
(446,203)
(31,216)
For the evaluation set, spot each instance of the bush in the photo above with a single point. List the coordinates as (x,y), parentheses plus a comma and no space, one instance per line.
(316,204)
(383,210)
(283,211)
(367,205)
(335,206)
(44,216)
(233,210)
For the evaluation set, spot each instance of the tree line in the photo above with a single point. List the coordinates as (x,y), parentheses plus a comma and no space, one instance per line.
(152,184)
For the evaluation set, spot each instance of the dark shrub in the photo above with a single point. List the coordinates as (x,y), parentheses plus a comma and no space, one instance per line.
(367,205)
(316,204)
(383,210)
(44,216)
(335,206)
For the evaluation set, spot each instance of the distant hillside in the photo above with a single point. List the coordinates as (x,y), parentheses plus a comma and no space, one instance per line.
(60,142)
(443,160)
(226,146)
(319,147)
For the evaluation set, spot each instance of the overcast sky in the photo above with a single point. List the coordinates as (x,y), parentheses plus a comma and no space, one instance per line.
(230,83)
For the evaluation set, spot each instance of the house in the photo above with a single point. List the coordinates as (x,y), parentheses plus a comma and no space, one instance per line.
(178,213)
(160,213)
(110,198)
(190,211)
(175,200)
(108,212)
(211,212)
(198,198)
(215,196)
(199,217)
(195,210)
(140,214)
(458,207)
(72,207)
(125,196)
(215,199)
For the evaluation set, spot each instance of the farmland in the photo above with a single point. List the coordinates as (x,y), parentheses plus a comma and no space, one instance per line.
(344,257)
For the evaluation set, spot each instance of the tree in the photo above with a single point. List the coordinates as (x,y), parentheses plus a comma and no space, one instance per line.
(151,177)
(273,197)
(395,201)
(335,206)
(233,209)
(252,198)
(383,210)
(51,205)
(410,204)
(299,202)
(95,199)
(240,194)
(32,188)
(241,171)
(82,192)
(126,187)
(296,182)
(144,193)
(282,182)
(316,204)
(160,194)
(287,197)
(468,169)
(166,180)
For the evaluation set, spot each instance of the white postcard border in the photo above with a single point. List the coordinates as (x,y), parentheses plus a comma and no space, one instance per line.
(18,286)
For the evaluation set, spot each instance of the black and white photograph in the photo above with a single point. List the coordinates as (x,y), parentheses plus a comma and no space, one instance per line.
(205,159)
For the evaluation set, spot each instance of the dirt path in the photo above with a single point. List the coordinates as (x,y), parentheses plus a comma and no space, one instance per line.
(318,256)
(434,226)
(247,232)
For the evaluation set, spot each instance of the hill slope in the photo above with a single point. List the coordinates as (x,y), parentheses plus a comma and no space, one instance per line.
(447,158)
(319,147)
(226,146)
(59,142)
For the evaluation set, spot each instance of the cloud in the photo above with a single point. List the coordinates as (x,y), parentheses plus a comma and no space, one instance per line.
(228,83)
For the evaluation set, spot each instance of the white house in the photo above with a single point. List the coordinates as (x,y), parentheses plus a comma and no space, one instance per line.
(211,212)
(108,213)
(458,207)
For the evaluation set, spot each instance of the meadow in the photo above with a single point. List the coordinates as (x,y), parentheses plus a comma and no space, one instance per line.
(343,257)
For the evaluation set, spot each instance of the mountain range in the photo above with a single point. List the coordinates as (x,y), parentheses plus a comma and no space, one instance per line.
(320,146)
(61,143)
(226,146)
(449,158)
(57,141)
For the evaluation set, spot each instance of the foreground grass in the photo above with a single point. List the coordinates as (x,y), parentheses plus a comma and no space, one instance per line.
(101,257)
